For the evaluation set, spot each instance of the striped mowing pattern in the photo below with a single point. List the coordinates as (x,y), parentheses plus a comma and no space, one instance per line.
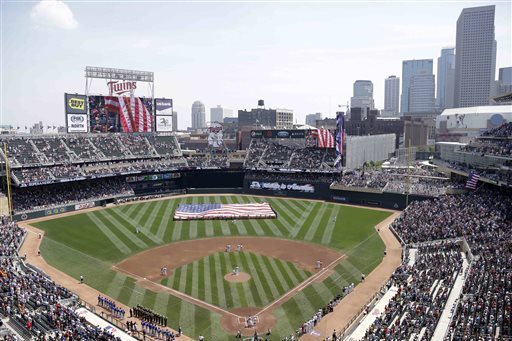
(270,279)
(91,243)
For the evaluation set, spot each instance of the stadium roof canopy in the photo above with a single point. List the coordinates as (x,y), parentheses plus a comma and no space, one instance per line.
(488,109)
(503,99)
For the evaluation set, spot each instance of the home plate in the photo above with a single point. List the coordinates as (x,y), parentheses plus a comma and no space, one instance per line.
(314,333)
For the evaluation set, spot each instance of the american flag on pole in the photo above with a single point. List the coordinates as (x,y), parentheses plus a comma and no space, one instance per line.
(223,211)
(324,138)
(135,117)
(340,136)
(472,180)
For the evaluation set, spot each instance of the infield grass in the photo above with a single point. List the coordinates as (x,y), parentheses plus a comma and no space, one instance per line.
(90,243)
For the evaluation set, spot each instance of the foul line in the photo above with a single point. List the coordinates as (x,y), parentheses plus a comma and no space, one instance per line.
(179,294)
(301,286)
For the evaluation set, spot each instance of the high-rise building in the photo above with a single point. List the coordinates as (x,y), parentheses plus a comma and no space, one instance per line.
(311,118)
(505,81)
(391,96)
(198,115)
(263,118)
(475,57)
(421,94)
(174,121)
(445,78)
(217,114)
(412,68)
(363,95)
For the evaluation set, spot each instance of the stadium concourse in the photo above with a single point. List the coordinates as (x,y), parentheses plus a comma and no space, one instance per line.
(454,279)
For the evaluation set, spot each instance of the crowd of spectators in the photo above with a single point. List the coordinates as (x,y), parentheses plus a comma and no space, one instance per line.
(28,199)
(30,175)
(267,154)
(505,130)
(490,147)
(32,302)
(137,145)
(422,292)
(483,218)
(282,176)
(208,160)
(53,149)
(21,152)
(416,180)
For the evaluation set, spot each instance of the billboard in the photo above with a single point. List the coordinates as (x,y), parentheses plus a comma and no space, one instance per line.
(281,186)
(163,114)
(75,104)
(278,134)
(108,114)
(75,108)
(76,123)
(163,106)
(163,123)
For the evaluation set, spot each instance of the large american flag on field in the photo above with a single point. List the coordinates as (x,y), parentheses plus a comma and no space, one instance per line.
(135,117)
(472,180)
(324,138)
(226,211)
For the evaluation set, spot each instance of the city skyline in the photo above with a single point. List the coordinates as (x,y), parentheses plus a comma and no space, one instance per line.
(239,52)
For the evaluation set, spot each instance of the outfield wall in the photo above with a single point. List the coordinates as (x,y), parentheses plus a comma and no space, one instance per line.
(58,210)
(394,201)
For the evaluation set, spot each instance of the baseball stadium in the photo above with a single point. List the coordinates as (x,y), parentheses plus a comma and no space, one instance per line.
(120,228)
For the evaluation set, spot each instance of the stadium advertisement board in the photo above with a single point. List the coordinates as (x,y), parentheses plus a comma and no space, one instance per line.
(114,115)
(163,123)
(163,106)
(163,114)
(281,186)
(76,123)
(75,104)
(75,108)
(278,134)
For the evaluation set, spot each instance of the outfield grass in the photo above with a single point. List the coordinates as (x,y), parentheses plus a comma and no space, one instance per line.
(90,243)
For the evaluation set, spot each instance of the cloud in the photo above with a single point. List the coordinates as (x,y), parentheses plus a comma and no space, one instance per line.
(53,14)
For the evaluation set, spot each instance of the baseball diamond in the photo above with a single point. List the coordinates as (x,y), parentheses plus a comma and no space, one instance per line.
(109,246)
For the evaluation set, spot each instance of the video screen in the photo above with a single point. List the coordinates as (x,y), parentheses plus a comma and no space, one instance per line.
(109,114)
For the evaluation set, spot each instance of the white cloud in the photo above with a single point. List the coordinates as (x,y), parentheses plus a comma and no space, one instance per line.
(53,14)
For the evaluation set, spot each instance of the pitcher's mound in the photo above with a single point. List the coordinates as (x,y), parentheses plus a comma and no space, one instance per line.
(241,277)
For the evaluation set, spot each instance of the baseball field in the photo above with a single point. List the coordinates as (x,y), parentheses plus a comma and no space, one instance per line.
(281,284)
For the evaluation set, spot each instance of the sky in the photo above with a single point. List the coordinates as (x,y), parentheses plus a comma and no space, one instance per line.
(300,55)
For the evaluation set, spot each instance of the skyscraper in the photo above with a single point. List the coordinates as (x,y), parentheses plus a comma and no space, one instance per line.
(412,68)
(363,95)
(421,94)
(198,115)
(311,119)
(391,96)
(505,81)
(445,78)
(217,114)
(475,58)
